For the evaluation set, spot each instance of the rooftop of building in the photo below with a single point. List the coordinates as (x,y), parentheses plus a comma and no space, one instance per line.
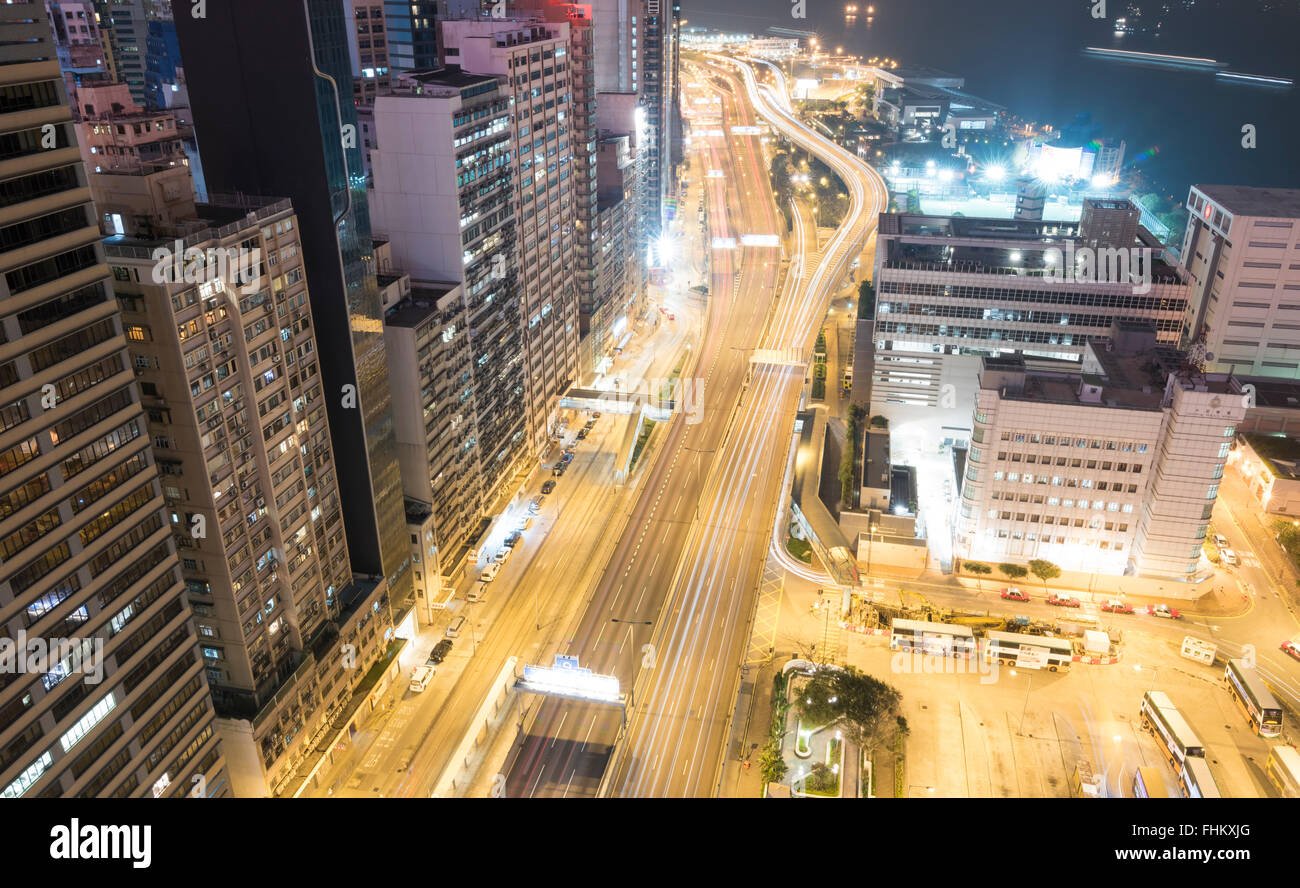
(1015,246)
(1131,372)
(421,305)
(417,511)
(1281,455)
(1272,392)
(1243,200)
(918,72)
(220,217)
(452,76)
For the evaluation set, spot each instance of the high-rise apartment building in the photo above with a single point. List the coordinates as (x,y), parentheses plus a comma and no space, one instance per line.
(583,136)
(1242,251)
(412,34)
(252,141)
(532,61)
(231,373)
(88,568)
(950,290)
(427,337)
(1111,468)
(620,271)
(444,180)
(124,28)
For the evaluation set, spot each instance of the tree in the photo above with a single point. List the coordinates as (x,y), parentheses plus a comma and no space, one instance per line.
(771,765)
(866,300)
(862,702)
(1012,571)
(1044,570)
(980,570)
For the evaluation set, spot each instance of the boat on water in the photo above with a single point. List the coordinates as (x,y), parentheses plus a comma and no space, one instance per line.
(1257,79)
(1155,58)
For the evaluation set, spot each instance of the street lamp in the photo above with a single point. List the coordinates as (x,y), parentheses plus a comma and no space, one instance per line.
(632,672)
(1020,731)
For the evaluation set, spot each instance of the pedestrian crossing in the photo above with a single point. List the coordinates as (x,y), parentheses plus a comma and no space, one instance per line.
(767,613)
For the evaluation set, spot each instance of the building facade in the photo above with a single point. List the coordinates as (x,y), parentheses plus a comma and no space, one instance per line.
(533,63)
(950,290)
(1242,252)
(121,706)
(1111,468)
(444,174)
(306,57)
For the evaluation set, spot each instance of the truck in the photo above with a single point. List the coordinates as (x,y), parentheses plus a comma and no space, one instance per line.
(1199,650)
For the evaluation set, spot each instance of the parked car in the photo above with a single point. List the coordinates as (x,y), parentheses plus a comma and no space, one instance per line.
(582,433)
(567,457)
(513,540)
(1115,606)
(525,524)
(548,487)
(1228,556)
(558,471)
(1291,648)
(535,504)
(596,415)
(1164,610)
(421,677)
(1011,593)
(503,555)
(591,423)
(440,651)
(477,592)
(489,573)
(1063,600)
(1221,541)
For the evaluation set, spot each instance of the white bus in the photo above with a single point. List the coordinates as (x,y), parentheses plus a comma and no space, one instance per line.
(1028,651)
(1284,771)
(932,638)
(1174,735)
(1196,781)
(1253,698)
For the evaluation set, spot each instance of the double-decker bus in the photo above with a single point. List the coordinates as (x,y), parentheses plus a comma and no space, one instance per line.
(932,638)
(1148,784)
(1176,738)
(1196,781)
(1028,651)
(1253,698)
(1283,771)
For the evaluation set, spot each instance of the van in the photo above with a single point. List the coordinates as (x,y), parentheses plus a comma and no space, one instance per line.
(477,593)
(457,623)
(421,677)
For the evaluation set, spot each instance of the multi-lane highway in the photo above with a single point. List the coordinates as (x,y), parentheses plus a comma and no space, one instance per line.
(567,744)
(675,741)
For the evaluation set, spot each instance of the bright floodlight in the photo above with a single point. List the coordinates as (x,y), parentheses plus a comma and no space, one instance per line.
(995,174)
(664,251)
(929,163)
(945,175)
(1015,256)
(1101,180)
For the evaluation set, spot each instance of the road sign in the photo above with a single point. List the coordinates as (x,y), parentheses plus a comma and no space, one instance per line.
(564,662)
